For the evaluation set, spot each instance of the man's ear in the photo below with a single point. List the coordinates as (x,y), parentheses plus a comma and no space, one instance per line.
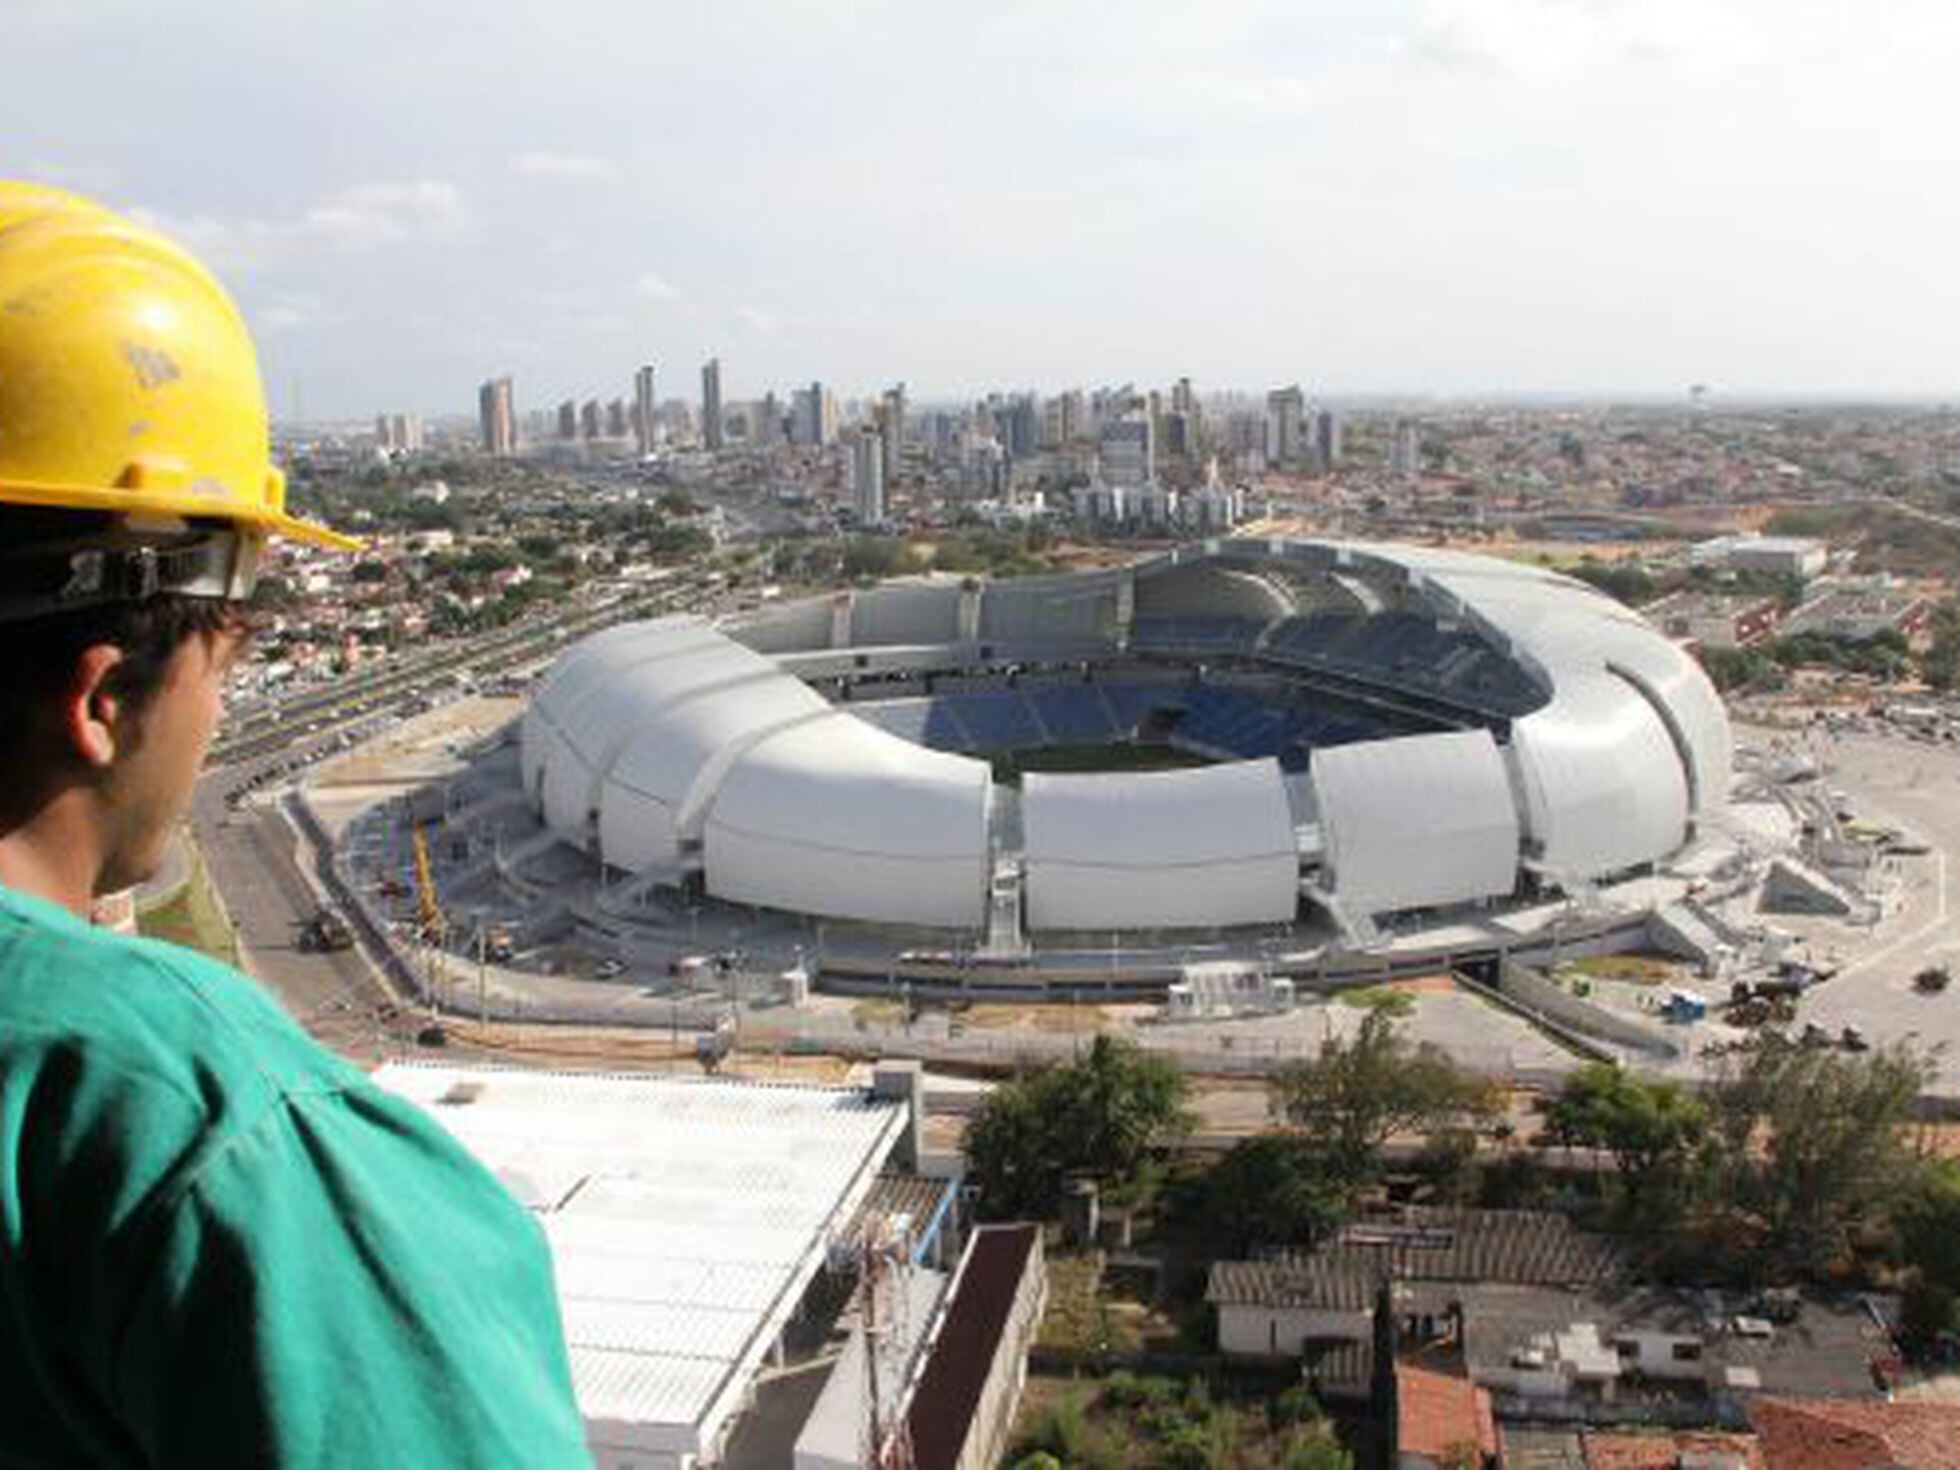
(94,718)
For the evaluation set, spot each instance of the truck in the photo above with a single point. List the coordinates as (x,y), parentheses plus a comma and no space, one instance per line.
(325,932)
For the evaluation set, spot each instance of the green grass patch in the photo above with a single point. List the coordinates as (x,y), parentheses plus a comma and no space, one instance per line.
(1079,1319)
(1386,998)
(191,917)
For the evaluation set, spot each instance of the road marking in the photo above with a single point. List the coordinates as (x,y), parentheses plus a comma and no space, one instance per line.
(1931,926)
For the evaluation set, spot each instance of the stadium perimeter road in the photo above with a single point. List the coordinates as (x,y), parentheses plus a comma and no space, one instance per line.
(1908,784)
(252,858)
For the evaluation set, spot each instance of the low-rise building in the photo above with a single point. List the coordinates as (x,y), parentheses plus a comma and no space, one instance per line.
(1715,619)
(1275,1308)
(1855,612)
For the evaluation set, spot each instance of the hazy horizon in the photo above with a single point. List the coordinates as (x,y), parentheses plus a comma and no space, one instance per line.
(1509,200)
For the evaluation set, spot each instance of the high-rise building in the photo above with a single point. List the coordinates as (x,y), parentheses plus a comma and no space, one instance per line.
(814,416)
(891,424)
(616,419)
(1327,438)
(1127,450)
(1064,420)
(646,409)
(1017,423)
(1213,506)
(588,419)
(1183,425)
(568,419)
(768,426)
(1404,453)
(711,403)
(1286,428)
(868,476)
(496,412)
(398,432)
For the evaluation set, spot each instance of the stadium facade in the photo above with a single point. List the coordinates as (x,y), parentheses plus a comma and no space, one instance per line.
(1381,729)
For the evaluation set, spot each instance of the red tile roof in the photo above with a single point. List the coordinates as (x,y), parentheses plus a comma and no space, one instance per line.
(1849,1434)
(1663,1451)
(1435,1412)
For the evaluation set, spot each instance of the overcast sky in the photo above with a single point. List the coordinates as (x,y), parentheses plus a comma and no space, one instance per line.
(1364,196)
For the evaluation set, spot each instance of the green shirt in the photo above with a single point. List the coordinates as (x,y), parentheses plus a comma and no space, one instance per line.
(221,1245)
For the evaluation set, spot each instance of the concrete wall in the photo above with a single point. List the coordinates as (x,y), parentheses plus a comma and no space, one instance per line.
(1529,988)
(1282,1332)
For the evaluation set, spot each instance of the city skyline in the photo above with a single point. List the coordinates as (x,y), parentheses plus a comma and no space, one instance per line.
(1511,197)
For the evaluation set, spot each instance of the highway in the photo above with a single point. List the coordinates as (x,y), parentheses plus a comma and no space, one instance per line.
(251,855)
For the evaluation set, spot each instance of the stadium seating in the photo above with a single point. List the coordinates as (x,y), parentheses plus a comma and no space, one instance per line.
(1196,635)
(1073,715)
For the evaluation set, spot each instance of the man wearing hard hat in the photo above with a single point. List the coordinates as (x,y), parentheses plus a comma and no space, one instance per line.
(219,1244)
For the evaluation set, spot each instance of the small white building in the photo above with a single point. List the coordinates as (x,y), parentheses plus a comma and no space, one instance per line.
(686,1217)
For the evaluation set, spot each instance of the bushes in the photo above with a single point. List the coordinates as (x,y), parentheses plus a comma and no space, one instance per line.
(1148,1420)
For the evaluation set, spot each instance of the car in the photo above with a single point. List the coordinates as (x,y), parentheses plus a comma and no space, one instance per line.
(608,969)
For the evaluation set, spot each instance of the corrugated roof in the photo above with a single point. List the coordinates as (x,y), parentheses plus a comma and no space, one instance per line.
(685,1215)
(1518,1246)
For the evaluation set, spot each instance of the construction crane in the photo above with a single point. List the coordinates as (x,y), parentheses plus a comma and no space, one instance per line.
(428,911)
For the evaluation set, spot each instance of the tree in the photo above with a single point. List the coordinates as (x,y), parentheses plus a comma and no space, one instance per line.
(1316,1449)
(1650,1128)
(1804,1142)
(1273,1189)
(875,556)
(1941,666)
(1356,1094)
(1098,1116)
(1928,1221)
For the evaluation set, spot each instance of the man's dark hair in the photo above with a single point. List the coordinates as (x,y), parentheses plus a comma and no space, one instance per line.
(38,655)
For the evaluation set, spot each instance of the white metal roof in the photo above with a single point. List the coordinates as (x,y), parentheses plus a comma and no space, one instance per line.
(1423,820)
(1160,849)
(836,816)
(685,1217)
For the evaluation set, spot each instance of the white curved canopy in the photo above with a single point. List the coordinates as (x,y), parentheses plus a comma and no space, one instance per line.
(838,817)
(1416,822)
(1160,849)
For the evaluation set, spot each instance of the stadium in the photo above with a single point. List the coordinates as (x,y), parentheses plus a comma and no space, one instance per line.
(1324,741)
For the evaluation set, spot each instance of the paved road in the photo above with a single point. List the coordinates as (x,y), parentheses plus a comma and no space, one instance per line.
(252,859)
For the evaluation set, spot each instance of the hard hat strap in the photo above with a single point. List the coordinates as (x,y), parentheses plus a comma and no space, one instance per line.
(98,571)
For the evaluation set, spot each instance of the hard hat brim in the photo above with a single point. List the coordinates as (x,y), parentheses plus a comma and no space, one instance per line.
(188,504)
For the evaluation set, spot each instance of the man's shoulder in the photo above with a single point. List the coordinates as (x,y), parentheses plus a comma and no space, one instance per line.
(164,1015)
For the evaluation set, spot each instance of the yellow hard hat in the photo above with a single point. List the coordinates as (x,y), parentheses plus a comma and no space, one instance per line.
(128,381)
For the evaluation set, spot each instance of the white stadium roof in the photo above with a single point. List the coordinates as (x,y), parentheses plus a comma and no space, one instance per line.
(673,745)
(1160,850)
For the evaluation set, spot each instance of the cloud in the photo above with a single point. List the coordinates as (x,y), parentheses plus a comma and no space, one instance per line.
(1557,39)
(543,163)
(756,321)
(359,218)
(288,312)
(654,288)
